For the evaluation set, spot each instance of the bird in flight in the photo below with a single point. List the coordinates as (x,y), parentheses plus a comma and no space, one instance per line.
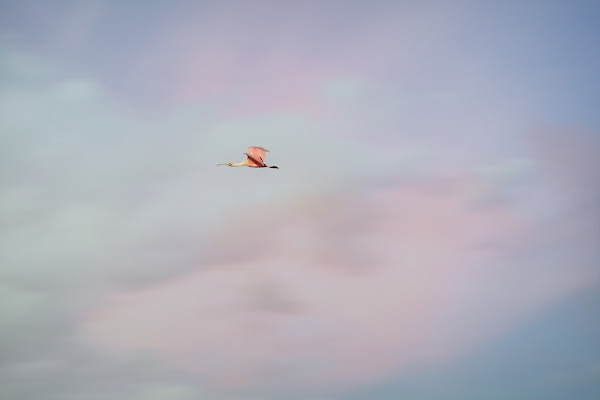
(255,159)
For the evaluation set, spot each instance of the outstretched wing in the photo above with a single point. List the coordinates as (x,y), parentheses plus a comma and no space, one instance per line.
(258,154)
(253,162)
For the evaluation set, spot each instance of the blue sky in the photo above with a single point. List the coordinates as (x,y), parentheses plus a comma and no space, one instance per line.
(522,365)
(431,233)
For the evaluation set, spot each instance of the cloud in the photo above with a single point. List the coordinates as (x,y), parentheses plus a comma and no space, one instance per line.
(343,90)
(95,199)
(78,24)
(569,163)
(422,271)
(18,305)
(132,267)
(161,391)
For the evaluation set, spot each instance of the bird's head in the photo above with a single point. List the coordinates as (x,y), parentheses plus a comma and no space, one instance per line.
(229,164)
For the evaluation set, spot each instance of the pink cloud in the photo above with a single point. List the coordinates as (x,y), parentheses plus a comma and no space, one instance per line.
(424,293)
(253,59)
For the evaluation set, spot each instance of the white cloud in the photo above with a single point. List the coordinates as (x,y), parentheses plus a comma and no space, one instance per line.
(164,391)
(343,90)
(17,306)
(422,271)
(94,198)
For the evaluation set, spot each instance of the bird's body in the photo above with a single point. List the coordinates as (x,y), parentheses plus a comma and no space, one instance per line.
(255,159)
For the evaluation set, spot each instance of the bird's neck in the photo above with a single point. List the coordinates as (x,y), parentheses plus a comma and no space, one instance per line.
(240,164)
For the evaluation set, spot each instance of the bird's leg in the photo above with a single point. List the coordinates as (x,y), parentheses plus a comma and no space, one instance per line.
(274,166)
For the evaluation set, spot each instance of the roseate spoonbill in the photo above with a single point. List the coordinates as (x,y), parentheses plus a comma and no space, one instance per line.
(255,159)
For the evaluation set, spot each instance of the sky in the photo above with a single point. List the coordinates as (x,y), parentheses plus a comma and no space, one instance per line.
(431,233)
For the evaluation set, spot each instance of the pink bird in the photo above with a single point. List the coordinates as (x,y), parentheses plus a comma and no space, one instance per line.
(255,159)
